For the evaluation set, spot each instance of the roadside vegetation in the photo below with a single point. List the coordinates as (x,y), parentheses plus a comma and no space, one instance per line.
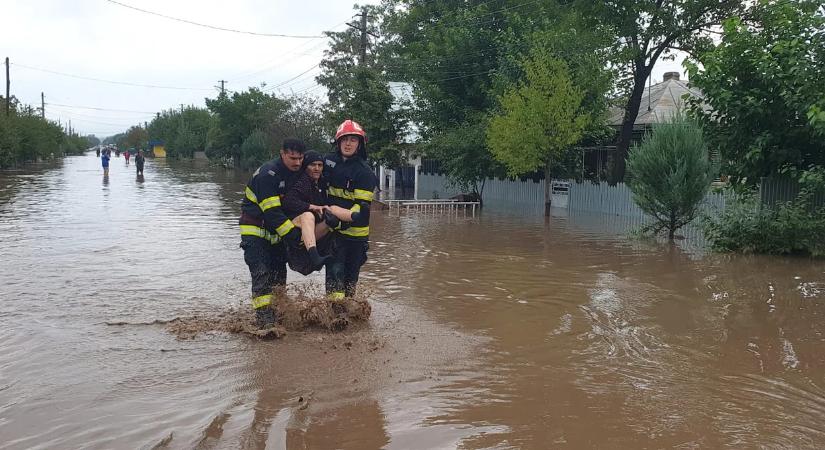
(26,137)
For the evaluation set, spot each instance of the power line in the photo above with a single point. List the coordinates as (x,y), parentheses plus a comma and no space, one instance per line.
(126,83)
(271,88)
(212,27)
(131,117)
(102,109)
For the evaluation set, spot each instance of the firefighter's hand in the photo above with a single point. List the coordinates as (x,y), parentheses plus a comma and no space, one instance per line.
(293,236)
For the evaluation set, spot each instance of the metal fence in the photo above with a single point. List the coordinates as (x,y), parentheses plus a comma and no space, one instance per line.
(517,191)
(779,190)
(618,200)
(591,197)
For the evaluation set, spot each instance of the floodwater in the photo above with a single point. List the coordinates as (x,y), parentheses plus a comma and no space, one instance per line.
(499,331)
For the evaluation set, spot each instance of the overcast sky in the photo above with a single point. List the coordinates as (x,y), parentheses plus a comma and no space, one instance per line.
(103,40)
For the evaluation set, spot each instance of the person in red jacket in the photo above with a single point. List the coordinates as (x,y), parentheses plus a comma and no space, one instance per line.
(126,156)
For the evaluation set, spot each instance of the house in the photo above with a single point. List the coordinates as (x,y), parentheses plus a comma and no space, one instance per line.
(660,101)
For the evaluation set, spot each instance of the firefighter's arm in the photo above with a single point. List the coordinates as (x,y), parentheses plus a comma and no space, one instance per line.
(363,192)
(268,191)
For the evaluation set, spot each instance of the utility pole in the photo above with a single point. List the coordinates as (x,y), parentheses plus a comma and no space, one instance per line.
(222,88)
(363,29)
(42,105)
(8,88)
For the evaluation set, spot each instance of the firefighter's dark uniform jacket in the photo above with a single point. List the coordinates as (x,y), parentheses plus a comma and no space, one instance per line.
(261,211)
(350,185)
(263,227)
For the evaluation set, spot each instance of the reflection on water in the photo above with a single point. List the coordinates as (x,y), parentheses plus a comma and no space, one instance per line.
(502,330)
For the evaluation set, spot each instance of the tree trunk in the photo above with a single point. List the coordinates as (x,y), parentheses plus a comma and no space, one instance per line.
(548,180)
(631,110)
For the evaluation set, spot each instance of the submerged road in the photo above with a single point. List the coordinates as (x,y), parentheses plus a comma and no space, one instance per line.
(500,331)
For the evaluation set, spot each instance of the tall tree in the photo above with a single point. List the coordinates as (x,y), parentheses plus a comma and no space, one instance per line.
(646,31)
(236,117)
(764,93)
(448,52)
(540,119)
(358,86)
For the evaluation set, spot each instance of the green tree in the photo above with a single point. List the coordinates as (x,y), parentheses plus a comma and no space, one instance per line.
(303,119)
(136,137)
(540,119)
(461,56)
(183,131)
(236,117)
(255,149)
(25,136)
(670,173)
(448,52)
(358,88)
(645,32)
(764,93)
(92,140)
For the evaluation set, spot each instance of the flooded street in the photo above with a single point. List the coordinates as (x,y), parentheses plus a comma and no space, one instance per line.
(499,331)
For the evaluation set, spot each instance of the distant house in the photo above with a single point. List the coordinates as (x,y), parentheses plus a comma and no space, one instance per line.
(659,102)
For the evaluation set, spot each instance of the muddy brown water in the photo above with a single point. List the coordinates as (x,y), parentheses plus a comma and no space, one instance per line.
(499,331)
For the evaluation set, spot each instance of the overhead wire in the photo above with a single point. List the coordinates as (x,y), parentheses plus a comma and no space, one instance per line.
(125,83)
(213,27)
(101,109)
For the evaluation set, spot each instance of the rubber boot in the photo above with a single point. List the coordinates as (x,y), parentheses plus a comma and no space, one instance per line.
(316,258)
(341,319)
(265,317)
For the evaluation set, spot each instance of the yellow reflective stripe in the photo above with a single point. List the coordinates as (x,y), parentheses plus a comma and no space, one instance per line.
(285,228)
(361,194)
(262,301)
(336,296)
(355,208)
(270,202)
(252,230)
(338,192)
(356,231)
(251,196)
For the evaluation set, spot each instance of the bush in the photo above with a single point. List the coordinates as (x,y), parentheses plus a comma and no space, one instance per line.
(670,173)
(255,150)
(749,227)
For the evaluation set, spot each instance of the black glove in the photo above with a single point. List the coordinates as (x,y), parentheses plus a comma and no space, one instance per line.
(294,236)
(331,220)
(365,209)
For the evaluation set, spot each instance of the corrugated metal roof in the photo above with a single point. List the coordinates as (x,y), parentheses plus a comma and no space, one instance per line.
(664,100)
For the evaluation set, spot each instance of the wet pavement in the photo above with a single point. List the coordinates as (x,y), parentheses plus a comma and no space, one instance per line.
(503,330)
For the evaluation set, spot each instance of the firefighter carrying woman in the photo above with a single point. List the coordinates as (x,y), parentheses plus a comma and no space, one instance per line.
(308,211)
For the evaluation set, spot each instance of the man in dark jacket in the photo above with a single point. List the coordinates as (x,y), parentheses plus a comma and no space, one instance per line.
(265,227)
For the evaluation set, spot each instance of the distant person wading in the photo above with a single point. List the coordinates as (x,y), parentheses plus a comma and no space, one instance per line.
(139,161)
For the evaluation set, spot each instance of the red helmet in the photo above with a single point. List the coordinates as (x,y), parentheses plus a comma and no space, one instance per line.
(348,127)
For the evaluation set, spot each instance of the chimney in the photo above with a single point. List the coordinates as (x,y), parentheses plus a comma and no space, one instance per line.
(671,76)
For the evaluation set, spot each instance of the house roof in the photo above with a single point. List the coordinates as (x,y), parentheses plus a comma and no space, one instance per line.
(663,99)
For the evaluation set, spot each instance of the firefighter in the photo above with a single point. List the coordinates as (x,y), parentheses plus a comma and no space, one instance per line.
(350,185)
(265,227)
